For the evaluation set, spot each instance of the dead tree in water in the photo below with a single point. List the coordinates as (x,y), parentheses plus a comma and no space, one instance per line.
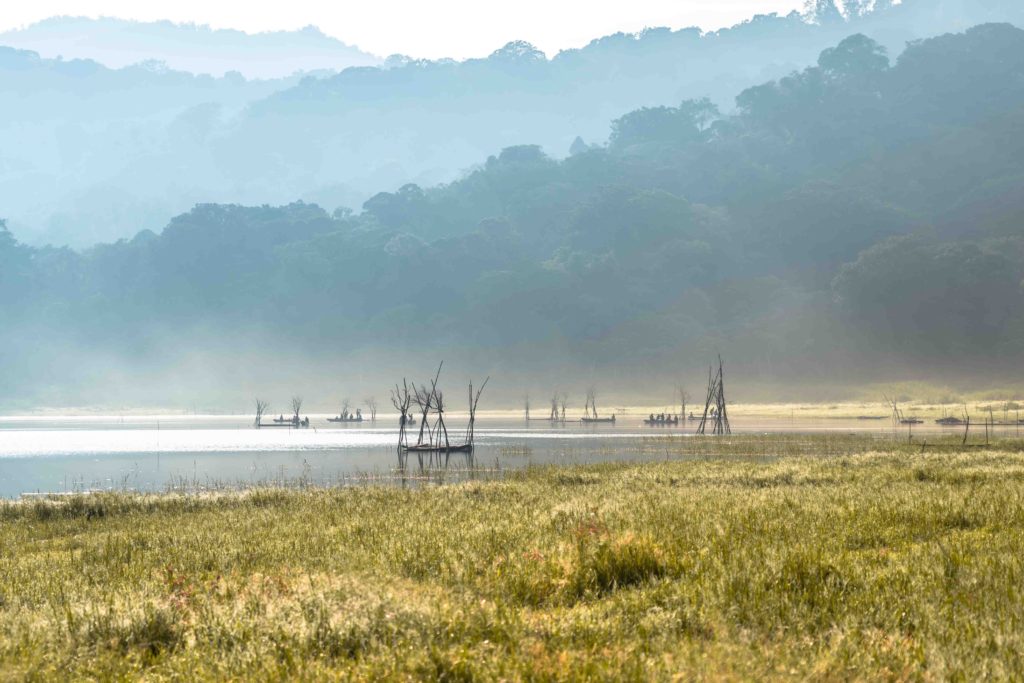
(474,401)
(371,403)
(714,404)
(563,404)
(590,409)
(424,399)
(683,398)
(261,408)
(431,400)
(526,402)
(897,417)
(402,400)
(553,416)
(440,428)
(434,438)
(296,407)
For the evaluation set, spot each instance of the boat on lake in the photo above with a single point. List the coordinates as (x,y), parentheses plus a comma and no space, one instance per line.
(590,415)
(347,417)
(286,422)
(440,448)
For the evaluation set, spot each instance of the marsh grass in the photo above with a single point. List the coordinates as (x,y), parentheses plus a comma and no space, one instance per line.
(762,563)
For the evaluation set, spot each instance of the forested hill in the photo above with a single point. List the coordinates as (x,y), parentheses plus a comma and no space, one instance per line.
(83,162)
(858,220)
(197,49)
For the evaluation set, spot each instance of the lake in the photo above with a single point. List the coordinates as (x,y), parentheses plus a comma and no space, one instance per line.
(158,453)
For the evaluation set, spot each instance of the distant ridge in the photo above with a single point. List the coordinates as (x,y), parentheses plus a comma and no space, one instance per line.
(72,172)
(188,47)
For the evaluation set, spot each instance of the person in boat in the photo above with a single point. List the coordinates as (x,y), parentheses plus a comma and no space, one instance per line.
(652,418)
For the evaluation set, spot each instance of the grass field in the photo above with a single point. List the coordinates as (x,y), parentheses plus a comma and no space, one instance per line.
(892,564)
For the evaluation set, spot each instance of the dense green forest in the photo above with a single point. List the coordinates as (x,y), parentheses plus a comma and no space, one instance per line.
(858,220)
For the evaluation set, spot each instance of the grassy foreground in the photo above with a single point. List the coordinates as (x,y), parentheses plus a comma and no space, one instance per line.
(883,565)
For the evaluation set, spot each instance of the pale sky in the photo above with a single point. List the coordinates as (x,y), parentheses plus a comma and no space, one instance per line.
(438,28)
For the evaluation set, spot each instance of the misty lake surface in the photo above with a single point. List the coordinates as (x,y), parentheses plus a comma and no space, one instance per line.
(159,453)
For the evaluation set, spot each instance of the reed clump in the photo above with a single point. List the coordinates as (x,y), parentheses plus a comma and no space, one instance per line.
(888,564)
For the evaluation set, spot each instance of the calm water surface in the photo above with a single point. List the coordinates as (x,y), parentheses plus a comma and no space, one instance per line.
(155,453)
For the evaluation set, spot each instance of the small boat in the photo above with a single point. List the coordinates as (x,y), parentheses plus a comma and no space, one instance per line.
(435,448)
(666,422)
(950,421)
(590,412)
(911,421)
(346,416)
(872,417)
(287,424)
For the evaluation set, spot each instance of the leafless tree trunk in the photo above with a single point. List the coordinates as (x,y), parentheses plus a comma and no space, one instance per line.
(425,400)
(474,401)
(590,409)
(402,400)
(261,408)
(683,398)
